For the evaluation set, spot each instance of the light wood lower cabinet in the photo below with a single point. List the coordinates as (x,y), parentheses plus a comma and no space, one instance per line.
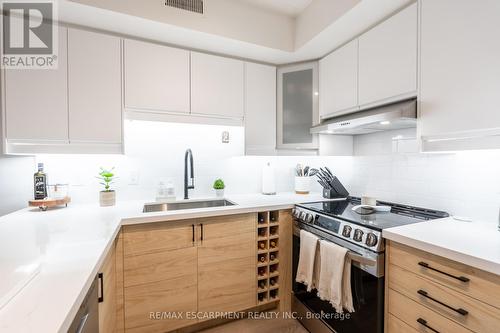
(432,293)
(163,282)
(107,292)
(226,264)
(182,268)
(159,276)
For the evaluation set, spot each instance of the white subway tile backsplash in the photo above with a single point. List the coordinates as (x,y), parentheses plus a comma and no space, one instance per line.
(466,184)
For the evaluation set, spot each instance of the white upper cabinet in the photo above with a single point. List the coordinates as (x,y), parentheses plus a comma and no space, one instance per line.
(217,86)
(460,75)
(156,77)
(260,109)
(388,59)
(36,103)
(338,81)
(94,87)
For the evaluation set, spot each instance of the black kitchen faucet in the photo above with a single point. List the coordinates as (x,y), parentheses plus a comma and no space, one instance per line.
(188,181)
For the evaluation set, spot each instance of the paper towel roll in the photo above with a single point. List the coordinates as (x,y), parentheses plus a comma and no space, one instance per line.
(268,182)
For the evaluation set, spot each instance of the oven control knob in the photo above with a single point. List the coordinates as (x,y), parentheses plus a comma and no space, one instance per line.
(346,232)
(296,213)
(358,235)
(309,218)
(371,239)
(302,216)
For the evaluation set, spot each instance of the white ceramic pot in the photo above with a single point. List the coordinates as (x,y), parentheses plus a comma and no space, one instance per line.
(107,198)
(219,193)
(302,185)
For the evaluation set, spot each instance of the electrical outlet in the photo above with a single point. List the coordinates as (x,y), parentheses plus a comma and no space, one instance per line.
(134,177)
(225,137)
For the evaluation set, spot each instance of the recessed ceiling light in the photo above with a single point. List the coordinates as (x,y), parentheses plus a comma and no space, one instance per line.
(316,93)
(385,122)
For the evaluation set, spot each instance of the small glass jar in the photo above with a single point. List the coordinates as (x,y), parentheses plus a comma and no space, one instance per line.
(165,190)
(58,191)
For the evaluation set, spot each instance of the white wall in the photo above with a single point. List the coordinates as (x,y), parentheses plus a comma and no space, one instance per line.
(16,182)
(155,150)
(466,184)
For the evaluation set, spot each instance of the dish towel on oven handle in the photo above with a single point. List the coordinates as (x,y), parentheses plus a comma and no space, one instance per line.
(305,269)
(334,283)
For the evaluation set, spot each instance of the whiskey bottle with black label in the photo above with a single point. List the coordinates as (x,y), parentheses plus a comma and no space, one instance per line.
(40,183)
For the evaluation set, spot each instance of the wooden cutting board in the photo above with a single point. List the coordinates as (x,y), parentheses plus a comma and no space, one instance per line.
(48,203)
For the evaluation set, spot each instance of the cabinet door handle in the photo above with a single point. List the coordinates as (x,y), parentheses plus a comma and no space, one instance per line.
(201,225)
(460,278)
(83,322)
(100,299)
(423,322)
(193,231)
(426,295)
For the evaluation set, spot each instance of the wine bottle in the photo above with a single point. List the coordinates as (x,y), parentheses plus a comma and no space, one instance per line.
(262,232)
(272,282)
(262,259)
(272,244)
(40,183)
(262,245)
(262,285)
(261,297)
(272,257)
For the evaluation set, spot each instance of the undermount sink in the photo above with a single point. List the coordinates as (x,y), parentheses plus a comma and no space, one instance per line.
(167,206)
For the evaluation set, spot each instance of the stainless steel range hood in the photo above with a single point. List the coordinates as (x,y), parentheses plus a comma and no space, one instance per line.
(383,118)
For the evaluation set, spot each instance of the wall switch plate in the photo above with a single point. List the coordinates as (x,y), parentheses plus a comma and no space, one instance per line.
(134,178)
(225,137)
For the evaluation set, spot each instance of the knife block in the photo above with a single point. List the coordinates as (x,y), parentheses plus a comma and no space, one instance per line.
(337,190)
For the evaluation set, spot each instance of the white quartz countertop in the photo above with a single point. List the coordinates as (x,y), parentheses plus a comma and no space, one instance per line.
(69,246)
(476,244)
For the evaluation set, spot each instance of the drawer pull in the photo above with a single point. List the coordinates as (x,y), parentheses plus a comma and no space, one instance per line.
(460,278)
(423,322)
(426,295)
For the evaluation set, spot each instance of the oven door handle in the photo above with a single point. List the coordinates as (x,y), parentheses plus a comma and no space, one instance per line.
(360,259)
(352,255)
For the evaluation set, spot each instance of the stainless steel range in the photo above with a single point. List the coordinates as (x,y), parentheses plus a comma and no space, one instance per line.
(359,229)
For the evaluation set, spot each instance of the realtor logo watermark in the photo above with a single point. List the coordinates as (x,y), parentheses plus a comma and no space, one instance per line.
(29,35)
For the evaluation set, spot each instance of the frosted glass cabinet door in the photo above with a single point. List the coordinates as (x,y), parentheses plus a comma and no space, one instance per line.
(297,106)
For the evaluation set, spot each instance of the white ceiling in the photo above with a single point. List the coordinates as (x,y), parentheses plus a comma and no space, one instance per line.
(363,16)
(287,7)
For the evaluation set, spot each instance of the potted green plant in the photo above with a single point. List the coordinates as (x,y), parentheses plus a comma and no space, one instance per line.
(108,196)
(219,188)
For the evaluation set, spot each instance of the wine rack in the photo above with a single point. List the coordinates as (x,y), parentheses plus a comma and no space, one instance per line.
(267,257)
